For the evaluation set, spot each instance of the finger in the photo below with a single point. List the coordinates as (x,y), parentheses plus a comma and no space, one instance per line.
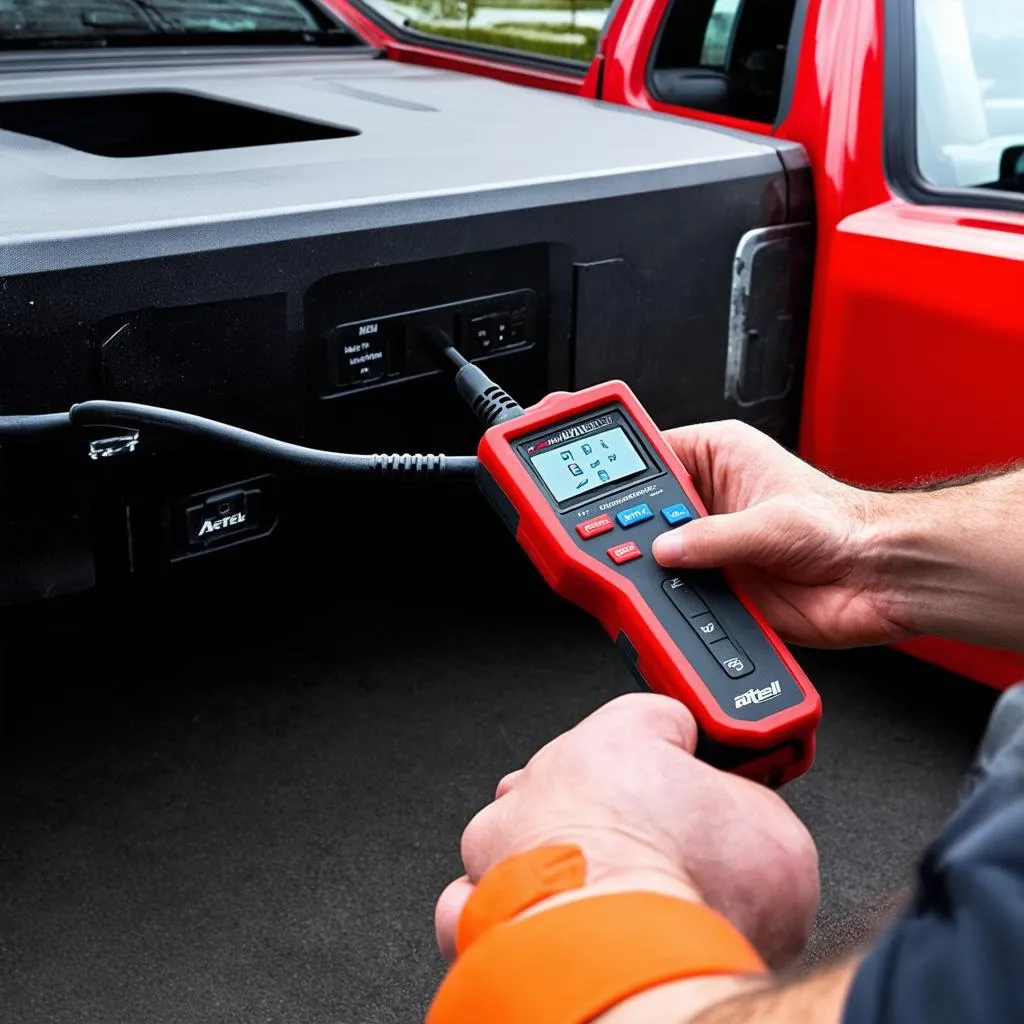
(507,783)
(760,535)
(447,914)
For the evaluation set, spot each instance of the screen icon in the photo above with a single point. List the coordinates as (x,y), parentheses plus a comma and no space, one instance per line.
(595,464)
(602,475)
(587,449)
(583,482)
(566,455)
(575,469)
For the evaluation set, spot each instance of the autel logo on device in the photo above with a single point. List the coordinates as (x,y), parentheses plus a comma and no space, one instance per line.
(210,525)
(759,696)
(570,432)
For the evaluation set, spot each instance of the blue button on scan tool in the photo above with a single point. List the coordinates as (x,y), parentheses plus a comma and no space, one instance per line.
(676,514)
(631,516)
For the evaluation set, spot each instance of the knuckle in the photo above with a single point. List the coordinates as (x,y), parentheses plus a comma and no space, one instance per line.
(507,783)
(627,703)
(653,711)
(736,429)
(476,839)
(741,433)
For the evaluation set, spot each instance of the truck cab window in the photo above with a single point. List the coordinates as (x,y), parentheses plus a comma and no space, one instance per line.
(970,93)
(724,56)
(559,29)
(718,35)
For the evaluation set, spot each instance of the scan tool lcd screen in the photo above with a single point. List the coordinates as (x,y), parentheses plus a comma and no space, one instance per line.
(582,466)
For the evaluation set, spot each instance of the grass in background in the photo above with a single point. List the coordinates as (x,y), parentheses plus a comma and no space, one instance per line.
(546,39)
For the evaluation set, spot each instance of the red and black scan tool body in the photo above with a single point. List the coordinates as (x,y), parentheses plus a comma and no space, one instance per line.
(585,481)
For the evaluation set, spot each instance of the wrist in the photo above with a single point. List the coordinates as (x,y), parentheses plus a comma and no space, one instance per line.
(940,561)
(891,548)
(583,944)
(676,1002)
(683,1002)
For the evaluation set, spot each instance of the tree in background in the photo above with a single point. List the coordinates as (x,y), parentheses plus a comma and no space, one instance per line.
(447,10)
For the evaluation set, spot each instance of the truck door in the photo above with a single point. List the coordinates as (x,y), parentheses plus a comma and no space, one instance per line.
(918,353)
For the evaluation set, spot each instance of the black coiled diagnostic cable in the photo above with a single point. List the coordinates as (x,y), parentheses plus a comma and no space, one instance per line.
(489,402)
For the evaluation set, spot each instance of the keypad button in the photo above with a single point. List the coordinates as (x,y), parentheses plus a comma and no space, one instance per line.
(624,552)
(631,516)
(708,629)
(595,527)
(735,663)
(676,515)
(684,597)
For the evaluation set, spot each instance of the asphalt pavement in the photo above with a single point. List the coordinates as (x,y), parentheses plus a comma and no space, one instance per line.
(239,804)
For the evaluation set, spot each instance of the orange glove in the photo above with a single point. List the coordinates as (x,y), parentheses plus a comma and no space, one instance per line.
(572,962)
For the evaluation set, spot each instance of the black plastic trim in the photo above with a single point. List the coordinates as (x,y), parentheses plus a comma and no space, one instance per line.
(794,50)
(793,47)
(67,61)
(899,124)
(631,657)
(497,499)
(727,758)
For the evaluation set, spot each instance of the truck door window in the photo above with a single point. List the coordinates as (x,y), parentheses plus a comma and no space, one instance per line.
(724,56)
(718,36)
(969,92)
(566,30)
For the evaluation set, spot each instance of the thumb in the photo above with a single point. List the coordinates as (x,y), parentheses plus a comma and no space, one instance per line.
(755,536)
(447,914)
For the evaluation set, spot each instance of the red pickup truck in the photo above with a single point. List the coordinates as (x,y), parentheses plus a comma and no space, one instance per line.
(912,115)
(242,211)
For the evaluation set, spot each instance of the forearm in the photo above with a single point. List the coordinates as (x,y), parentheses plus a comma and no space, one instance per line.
(950,561)
(816,998)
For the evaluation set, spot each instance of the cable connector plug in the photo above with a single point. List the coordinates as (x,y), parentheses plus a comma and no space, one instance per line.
(490,404)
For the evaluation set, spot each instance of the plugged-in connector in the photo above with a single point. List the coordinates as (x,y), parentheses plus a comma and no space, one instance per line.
(490,403)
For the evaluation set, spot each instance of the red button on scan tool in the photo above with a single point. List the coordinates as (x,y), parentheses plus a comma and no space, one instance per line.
(624,552)
(594,527)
